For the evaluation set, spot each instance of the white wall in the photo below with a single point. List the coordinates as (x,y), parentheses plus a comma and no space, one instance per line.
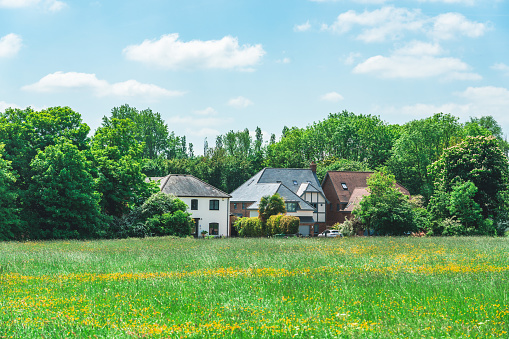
(208,216)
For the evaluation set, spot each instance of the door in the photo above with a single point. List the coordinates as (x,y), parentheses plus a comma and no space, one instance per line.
(194,228)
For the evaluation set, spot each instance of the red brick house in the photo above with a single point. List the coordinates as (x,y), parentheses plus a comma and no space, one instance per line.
(344,190)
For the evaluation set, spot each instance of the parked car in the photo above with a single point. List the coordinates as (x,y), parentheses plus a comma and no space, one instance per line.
(330,234)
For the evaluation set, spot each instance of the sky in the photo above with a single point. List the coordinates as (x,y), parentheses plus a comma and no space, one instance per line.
(209,67)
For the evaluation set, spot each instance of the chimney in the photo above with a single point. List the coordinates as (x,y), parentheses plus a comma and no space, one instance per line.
(312,167)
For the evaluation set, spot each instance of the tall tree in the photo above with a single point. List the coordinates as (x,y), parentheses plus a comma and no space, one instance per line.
(62,201)
(478,160)
(9,213)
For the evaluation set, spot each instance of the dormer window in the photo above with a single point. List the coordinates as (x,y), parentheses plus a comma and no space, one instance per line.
(344,186)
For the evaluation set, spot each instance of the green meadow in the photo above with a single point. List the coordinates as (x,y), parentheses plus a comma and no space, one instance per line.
(264,288)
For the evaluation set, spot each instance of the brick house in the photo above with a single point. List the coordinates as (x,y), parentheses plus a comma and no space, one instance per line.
(344,190)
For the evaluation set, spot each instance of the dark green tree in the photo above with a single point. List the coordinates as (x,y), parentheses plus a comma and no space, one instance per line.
(385,210)
(9,213)
(62,199)
(270,205)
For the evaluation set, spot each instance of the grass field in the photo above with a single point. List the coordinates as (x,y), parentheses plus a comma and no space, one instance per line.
(243,288)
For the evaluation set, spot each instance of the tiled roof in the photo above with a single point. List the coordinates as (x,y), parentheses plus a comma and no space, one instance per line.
(357,194)
(292,178)
(183,185)
(352,180)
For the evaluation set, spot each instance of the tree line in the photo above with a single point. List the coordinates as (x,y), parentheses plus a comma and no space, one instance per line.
(57,181)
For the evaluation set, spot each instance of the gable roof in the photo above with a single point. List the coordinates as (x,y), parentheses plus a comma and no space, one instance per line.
(284,192)
(357,194)
(292,178)
(184,185)
(352,180)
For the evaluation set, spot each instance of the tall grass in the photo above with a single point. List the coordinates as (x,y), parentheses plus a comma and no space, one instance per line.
(321,288)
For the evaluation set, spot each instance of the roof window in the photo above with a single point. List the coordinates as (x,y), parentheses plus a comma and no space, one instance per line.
(295,182)
(344,186)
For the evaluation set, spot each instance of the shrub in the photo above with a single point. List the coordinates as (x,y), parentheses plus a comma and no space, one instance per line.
(249,227)
(289,224)
(274,225)
(349,227)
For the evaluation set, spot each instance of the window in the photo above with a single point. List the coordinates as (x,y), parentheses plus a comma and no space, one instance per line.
(330,207)
(214,205)
(315,205)
(295,182)
(214,228)
(243,205)
(194,204)
(291,206)
(337,207)
(234,206)
(344,186)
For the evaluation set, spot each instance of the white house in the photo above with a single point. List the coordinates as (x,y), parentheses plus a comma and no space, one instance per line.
(209,206)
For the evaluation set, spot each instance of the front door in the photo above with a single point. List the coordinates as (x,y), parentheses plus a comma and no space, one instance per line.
(194,228)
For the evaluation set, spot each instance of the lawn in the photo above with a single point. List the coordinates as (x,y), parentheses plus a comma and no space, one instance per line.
(263,288)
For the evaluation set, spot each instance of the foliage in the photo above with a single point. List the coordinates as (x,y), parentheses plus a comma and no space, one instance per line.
(334,164)
(362,138)
(421,142)
(282,224)
(62,202)
(271,205)
(385,210)
(350,227)
(118,166)
(9,213)
(250,227)
(477,160)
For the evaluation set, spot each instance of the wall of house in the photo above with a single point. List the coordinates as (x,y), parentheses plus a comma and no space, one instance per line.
(208,216)
(333,216)
(319,200)
(240,208)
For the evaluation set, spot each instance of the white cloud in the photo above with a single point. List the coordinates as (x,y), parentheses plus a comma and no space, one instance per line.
(10,45)
(474,101)
(207,111)
(199,122)
(60,81)
(284,61)
(501,67)
(449,25)
(302,28)
(51,5)
(391,23)
(171,53)
(332,97)
(240,102)
(4,105)
(417,60)
(350,59)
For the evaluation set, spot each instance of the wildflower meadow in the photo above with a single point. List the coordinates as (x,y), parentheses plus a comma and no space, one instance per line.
(264,288)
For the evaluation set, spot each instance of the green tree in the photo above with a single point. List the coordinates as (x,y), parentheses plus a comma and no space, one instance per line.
(148,128)
(270,205)
(164,214)
(62,200)
(385,210)
(480,161)
(421,143)
(118,165)
(9,213)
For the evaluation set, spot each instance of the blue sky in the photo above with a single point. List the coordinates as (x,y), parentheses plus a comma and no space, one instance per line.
(213,66)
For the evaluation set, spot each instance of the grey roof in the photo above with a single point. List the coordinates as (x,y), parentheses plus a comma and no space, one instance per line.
(307,187)
(288,177)
(307,220)
(285,193)
(183,185)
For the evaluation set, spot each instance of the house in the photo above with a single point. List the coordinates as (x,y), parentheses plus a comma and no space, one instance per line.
(209,206)
(344,190)
(299,188)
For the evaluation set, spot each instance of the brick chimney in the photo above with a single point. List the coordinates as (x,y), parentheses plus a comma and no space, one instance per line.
(312,167)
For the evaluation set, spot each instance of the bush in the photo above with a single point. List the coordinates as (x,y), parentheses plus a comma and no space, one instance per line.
(250,227)
(290,224)
(349,227)
(283,224)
